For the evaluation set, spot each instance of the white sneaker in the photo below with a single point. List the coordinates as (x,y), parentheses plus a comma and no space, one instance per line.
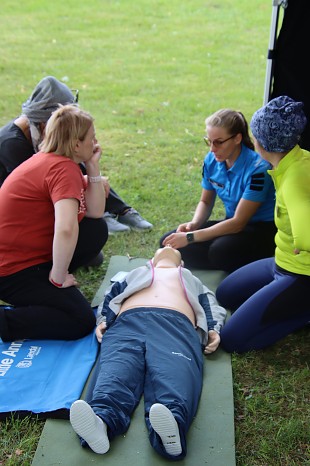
(113,225)
(133,219)
(163,422)
(89,426)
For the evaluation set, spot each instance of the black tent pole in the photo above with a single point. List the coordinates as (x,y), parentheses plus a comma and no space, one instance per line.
(272,42)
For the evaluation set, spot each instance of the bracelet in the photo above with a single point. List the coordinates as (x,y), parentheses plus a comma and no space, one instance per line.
(58,285)
(94,179)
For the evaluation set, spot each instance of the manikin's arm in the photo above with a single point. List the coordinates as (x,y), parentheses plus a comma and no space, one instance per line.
(215,316)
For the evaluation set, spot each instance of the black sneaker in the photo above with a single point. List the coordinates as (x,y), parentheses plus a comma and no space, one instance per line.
(96,261)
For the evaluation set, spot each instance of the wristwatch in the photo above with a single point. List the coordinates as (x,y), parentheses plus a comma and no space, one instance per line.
(190,237)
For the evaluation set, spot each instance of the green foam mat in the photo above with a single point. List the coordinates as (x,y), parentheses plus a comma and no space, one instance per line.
(210,440)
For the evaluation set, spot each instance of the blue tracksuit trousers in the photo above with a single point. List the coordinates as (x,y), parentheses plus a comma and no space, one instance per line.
(150,351)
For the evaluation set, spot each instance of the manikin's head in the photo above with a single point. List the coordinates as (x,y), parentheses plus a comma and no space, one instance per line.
(167,257)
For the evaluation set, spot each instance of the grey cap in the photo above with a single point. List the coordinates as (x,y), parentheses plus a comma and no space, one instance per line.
(279,124)
(44,100)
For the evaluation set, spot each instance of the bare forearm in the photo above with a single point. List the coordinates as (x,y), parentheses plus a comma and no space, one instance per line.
(95,199)
(63,249)
(95,194)
(226,227)
(202,213)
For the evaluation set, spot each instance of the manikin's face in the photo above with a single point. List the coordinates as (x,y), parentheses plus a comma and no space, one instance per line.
(167,253)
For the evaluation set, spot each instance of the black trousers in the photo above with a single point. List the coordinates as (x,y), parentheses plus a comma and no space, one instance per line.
(115,204)
(42,311)
(230,252)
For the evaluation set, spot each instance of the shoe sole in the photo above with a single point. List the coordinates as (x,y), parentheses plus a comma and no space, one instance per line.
(164,424)
(116,232)
(140,230)
(88,426)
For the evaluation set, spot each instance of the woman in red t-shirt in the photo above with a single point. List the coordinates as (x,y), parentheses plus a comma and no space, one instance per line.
(51,223)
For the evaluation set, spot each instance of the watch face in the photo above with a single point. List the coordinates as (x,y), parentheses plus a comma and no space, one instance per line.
(190,237)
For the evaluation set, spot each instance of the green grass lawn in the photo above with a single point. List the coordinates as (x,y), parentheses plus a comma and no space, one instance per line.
(151,72)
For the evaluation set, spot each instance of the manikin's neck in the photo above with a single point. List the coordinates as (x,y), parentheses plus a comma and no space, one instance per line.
(166,264)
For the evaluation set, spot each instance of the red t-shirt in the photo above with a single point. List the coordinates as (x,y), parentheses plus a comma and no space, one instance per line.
(27,199)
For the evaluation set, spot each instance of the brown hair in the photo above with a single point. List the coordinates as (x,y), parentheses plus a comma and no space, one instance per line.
(66,126)
(234,122)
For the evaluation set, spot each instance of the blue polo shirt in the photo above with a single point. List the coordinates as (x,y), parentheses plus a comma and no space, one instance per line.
(246,179)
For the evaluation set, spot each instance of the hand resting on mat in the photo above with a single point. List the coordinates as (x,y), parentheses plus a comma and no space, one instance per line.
(100,329)
(213,342)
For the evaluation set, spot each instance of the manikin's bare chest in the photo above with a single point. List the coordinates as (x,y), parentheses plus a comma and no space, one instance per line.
(166,291)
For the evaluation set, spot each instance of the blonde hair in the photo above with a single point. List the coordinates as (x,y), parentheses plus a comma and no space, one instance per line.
(66,126)
(234,122)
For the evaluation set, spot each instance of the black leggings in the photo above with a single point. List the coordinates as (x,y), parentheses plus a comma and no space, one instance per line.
(42,311)
(230,252)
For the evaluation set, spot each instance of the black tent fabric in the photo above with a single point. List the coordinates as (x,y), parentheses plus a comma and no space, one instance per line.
(291,59)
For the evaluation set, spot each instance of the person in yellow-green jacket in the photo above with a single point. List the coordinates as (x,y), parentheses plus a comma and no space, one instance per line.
(270,298)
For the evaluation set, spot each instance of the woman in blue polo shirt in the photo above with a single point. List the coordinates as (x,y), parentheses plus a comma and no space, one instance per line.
(234,172)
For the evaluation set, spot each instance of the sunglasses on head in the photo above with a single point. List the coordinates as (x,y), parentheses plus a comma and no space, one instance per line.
(75,92)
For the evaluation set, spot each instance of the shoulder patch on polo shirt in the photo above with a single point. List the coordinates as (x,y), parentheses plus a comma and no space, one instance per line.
(257,181)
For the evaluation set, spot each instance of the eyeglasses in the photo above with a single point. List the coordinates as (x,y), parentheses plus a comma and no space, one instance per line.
(217,142)
(75,92)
